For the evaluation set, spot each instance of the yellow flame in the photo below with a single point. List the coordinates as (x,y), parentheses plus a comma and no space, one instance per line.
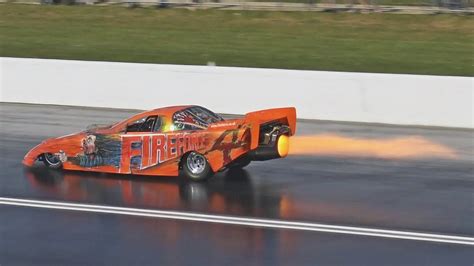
(396,148)
(283,145)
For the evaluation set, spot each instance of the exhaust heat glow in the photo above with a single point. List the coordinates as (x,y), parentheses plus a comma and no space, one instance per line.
(391,148)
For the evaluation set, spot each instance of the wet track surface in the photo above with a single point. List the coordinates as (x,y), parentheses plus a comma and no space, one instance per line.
(433,195)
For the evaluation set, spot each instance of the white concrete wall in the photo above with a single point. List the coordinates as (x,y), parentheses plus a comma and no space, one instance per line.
(360,97)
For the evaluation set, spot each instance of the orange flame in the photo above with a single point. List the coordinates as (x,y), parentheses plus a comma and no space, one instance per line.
(393,148)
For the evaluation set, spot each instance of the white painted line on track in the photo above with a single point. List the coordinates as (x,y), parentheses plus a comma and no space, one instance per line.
(266,223)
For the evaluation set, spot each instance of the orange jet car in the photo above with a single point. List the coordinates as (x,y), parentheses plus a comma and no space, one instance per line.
(188,140)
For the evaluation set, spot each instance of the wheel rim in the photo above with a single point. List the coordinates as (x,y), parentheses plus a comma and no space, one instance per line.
(52,159)
(196,163)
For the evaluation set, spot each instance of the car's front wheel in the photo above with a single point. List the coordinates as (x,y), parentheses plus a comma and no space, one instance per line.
(196,167)
(52,161)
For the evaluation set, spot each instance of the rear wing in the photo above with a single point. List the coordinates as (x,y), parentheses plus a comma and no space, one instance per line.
(256,119)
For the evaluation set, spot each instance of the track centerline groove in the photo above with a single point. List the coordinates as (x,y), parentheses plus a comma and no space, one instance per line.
(245,221)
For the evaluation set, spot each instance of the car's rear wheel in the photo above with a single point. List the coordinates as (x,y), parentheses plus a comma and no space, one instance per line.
(52,161)
(196,167)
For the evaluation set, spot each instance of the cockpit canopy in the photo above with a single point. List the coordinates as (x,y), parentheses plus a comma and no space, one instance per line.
(194,118)
(189,118)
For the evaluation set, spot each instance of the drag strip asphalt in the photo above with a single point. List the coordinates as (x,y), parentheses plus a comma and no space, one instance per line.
(241,221)
(427,197)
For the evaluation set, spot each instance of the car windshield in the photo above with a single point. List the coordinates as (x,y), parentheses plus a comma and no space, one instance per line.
(194,118)
(98,126)
(145,124)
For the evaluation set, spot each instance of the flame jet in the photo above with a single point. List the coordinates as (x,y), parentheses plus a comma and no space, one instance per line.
(404,147)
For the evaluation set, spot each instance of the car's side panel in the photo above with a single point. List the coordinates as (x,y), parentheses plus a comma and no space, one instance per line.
(133,153)
(158,153)
(227,145)
(145,153)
